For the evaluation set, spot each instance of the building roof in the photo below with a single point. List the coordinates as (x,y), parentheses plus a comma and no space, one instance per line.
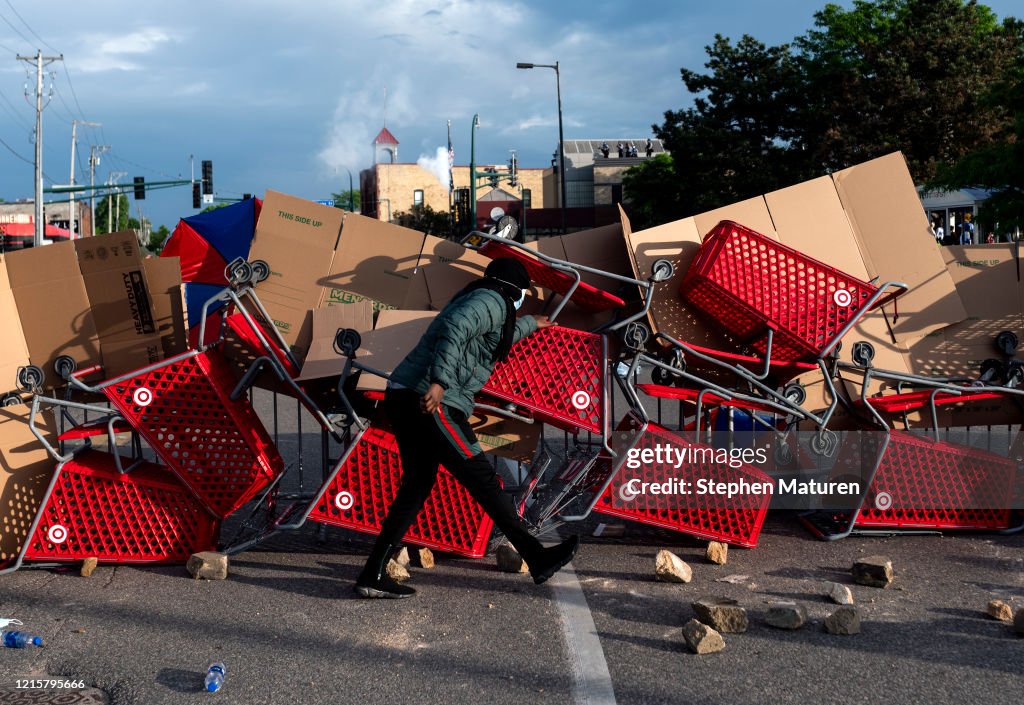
(384,137)
(594,146)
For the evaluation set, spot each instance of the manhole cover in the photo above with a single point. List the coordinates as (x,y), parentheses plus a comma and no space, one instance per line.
(86,696)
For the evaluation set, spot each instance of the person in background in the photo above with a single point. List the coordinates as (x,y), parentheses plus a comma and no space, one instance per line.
(605,149)
(991,239)
(622,150)
(940,234)
(649,148)
(429,400)
(967,230)
(632,151)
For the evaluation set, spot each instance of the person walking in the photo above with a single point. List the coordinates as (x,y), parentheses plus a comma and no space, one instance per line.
(428,401)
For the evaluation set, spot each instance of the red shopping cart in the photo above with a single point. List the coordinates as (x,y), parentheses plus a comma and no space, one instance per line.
(774,298)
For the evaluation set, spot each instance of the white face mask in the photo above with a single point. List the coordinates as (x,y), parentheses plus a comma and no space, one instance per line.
(519,302)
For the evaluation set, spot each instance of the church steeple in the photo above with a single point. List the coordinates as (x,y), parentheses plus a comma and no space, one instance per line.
(385,145)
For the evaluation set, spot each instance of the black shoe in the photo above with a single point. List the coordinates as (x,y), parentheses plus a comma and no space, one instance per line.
(548,562)
(382,587)
(374,581)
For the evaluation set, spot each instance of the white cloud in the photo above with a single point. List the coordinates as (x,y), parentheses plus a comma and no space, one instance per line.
(114,52)
(437,165)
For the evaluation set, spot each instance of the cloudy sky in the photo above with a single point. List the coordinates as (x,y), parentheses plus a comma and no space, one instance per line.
(288,95)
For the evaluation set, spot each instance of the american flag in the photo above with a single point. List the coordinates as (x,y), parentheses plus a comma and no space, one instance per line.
(451,159)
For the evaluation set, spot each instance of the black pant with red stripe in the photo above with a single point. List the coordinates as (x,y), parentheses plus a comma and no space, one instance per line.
(444,437)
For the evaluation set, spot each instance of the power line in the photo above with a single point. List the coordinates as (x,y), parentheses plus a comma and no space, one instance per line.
(16,14)
(16,30)
(72,87)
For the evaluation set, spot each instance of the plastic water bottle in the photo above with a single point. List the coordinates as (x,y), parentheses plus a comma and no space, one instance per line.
(215,677)
(19,640)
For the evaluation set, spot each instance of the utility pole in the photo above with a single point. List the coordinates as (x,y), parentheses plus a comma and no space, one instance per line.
(94,159)
(40,62)
(71,195)
(115,178)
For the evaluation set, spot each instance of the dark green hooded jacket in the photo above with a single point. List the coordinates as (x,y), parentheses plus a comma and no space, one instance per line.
(457,349)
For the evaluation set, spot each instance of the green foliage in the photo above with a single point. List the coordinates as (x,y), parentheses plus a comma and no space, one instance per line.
(998,166)
(157,238)
(118,214)
(214,207)
(654,184)
(342,200)
(425,219)
(909,75)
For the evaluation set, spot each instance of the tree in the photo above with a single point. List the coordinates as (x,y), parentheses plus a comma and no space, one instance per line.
(118,214)
(735,142)
(342,200)
(902,74)
(425,219)
(157,238)
(650,192)
(886,75)
(999,166)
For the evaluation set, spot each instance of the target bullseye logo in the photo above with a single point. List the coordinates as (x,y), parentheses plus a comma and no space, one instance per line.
(626,494)
(143,396)
(842,297)
(344,501)
(883,501)
(57,534)
(581,400)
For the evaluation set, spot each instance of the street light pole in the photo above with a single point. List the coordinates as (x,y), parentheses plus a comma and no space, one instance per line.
(351,196)
(472,171)
(561,135)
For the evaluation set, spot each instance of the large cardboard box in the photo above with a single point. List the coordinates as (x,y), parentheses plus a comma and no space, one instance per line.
(13,351)
(374,259)
(322,361)
(395,334)
(296,238)
(25,472)
(507,438)
(447,267)
(115,281)
(163,274)
(53,306)
(866,221)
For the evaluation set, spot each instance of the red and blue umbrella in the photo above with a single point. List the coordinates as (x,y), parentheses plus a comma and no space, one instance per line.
(206,243)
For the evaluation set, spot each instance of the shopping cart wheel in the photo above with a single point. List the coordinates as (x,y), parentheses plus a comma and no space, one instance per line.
(1007,342)
(1015,374)
(992,371)
(65,366)
(260,270)
(238,272)
(783,454)
(824,443)
(863,353)
(30,378)
(635,336)
(10,399)
(662,270)
(659,375)
(347,341)
(795,393)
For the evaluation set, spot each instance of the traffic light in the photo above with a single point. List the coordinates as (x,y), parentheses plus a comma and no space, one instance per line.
(493,178)
(513,169)
(246,196)
(140,188)
(196,196)
(207,177)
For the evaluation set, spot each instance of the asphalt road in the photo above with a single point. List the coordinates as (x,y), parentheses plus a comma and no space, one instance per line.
(289,629)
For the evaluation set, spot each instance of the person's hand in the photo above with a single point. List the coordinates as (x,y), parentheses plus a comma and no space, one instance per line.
(543,322)
(432,399)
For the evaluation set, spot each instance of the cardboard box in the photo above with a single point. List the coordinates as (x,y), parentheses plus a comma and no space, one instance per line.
(506,438)
(53,306)
(447,267)
(163,275)
(394,336)
(866,221)
(296,238)
(322,361)
(115,281)
(25,472)
(374,259)
(13,351)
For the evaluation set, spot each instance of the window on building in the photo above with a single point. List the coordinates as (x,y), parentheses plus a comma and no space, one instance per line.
(417,197)
(527,198)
